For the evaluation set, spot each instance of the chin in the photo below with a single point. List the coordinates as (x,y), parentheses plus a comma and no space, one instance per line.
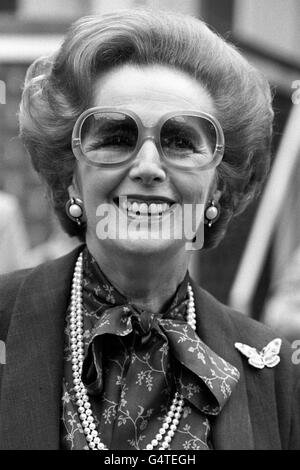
(138,246)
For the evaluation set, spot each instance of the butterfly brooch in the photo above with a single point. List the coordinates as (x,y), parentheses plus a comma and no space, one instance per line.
(268,356)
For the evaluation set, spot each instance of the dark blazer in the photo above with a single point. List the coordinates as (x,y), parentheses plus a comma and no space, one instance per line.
(262,413)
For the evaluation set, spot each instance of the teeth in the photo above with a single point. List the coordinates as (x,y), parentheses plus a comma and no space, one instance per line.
(143,208)
(134,207)
(153,208)
(124,204)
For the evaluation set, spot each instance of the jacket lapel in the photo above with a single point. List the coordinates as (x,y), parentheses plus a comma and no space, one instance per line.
(32,378)
(232,429)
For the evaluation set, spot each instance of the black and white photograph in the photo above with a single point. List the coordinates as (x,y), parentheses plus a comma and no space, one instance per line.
(150,266)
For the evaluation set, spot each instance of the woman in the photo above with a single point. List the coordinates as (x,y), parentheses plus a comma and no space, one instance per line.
(114,346)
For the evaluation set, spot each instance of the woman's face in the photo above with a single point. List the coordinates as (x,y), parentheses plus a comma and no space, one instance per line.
(150,92)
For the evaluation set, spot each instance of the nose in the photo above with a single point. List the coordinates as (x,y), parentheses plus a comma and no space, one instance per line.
(147,167)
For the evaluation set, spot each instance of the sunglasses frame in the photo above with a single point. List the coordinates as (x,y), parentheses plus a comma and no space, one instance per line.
(146,133)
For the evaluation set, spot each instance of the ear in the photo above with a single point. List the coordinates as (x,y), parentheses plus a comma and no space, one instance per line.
(214,192)
(74,189)
(216,195)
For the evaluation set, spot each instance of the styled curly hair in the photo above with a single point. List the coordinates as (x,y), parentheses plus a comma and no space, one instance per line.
(59,88)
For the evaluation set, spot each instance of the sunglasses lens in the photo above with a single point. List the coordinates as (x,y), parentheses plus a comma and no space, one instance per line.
(189,141)
(108,137)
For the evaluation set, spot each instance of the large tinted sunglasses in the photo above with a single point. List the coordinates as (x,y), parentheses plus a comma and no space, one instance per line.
(110,137)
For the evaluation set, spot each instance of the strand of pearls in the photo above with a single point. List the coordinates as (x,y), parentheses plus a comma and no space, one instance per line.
(191,312)
(170,423)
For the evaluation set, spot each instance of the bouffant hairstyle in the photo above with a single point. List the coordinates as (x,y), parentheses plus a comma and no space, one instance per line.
(59,88)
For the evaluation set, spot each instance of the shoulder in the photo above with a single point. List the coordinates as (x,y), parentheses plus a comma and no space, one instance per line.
(225,326)
(243,327)
(10,283)
(9,288)
(31,282)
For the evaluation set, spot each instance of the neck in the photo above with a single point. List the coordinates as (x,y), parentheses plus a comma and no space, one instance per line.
(148,281)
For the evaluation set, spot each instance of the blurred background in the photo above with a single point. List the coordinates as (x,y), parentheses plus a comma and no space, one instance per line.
(256,268)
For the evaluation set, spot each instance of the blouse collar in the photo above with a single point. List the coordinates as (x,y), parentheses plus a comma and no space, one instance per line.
(204,378)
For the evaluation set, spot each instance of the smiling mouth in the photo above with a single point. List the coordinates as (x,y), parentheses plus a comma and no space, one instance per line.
(144,206)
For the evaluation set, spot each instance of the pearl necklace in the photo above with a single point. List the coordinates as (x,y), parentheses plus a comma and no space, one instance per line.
(171,420)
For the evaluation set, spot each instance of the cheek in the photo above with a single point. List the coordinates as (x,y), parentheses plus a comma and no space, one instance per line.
(95,190)
(194,188)
(98,185)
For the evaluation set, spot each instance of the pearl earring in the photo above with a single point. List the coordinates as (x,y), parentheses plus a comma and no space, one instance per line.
(212,213)
(74,209)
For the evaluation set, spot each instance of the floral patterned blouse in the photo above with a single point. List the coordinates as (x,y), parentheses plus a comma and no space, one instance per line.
(134,362)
